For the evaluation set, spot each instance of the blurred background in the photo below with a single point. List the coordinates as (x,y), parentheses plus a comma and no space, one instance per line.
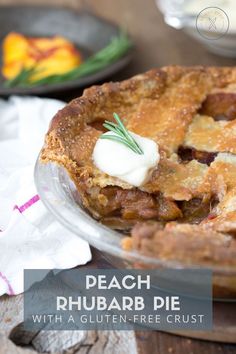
(156,43)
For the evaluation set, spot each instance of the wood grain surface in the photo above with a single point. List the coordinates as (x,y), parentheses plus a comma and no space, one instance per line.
(14,339)
(156,45)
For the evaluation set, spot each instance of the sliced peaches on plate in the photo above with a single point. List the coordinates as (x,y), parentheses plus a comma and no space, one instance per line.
(49,56)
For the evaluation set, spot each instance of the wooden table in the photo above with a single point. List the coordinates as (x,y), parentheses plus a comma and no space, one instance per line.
(13,338)
(156,45)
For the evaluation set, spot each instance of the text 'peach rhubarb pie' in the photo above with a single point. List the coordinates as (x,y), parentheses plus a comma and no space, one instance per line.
(155,157)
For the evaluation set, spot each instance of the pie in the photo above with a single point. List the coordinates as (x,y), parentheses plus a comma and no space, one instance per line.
(187,210)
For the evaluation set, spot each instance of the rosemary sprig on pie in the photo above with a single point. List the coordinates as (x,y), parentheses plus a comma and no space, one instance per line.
(121,135)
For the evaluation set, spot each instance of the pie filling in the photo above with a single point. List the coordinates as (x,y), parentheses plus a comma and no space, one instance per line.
(134,205)
(188,154)
(220,106)
(188,208)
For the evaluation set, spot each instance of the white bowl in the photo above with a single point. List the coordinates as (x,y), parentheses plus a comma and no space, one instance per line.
(175,16)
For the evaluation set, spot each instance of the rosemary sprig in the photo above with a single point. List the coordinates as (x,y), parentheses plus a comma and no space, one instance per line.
(23,76)
(121,135)
(114,50)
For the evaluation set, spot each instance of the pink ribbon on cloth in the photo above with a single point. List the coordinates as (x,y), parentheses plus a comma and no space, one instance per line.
(11,292)
(28,204)
(21,209)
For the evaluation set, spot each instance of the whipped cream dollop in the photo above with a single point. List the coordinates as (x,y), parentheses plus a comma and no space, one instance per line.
(118,160)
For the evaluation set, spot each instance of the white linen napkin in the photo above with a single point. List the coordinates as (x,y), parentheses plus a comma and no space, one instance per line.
(30,237)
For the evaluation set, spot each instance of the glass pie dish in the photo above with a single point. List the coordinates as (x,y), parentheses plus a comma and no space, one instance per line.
(60,196)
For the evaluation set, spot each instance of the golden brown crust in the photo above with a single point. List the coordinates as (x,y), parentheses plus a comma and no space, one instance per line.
(191,244)
(206,134)
(178,107)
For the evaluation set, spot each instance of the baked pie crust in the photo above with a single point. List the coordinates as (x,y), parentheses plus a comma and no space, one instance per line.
(187,211)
